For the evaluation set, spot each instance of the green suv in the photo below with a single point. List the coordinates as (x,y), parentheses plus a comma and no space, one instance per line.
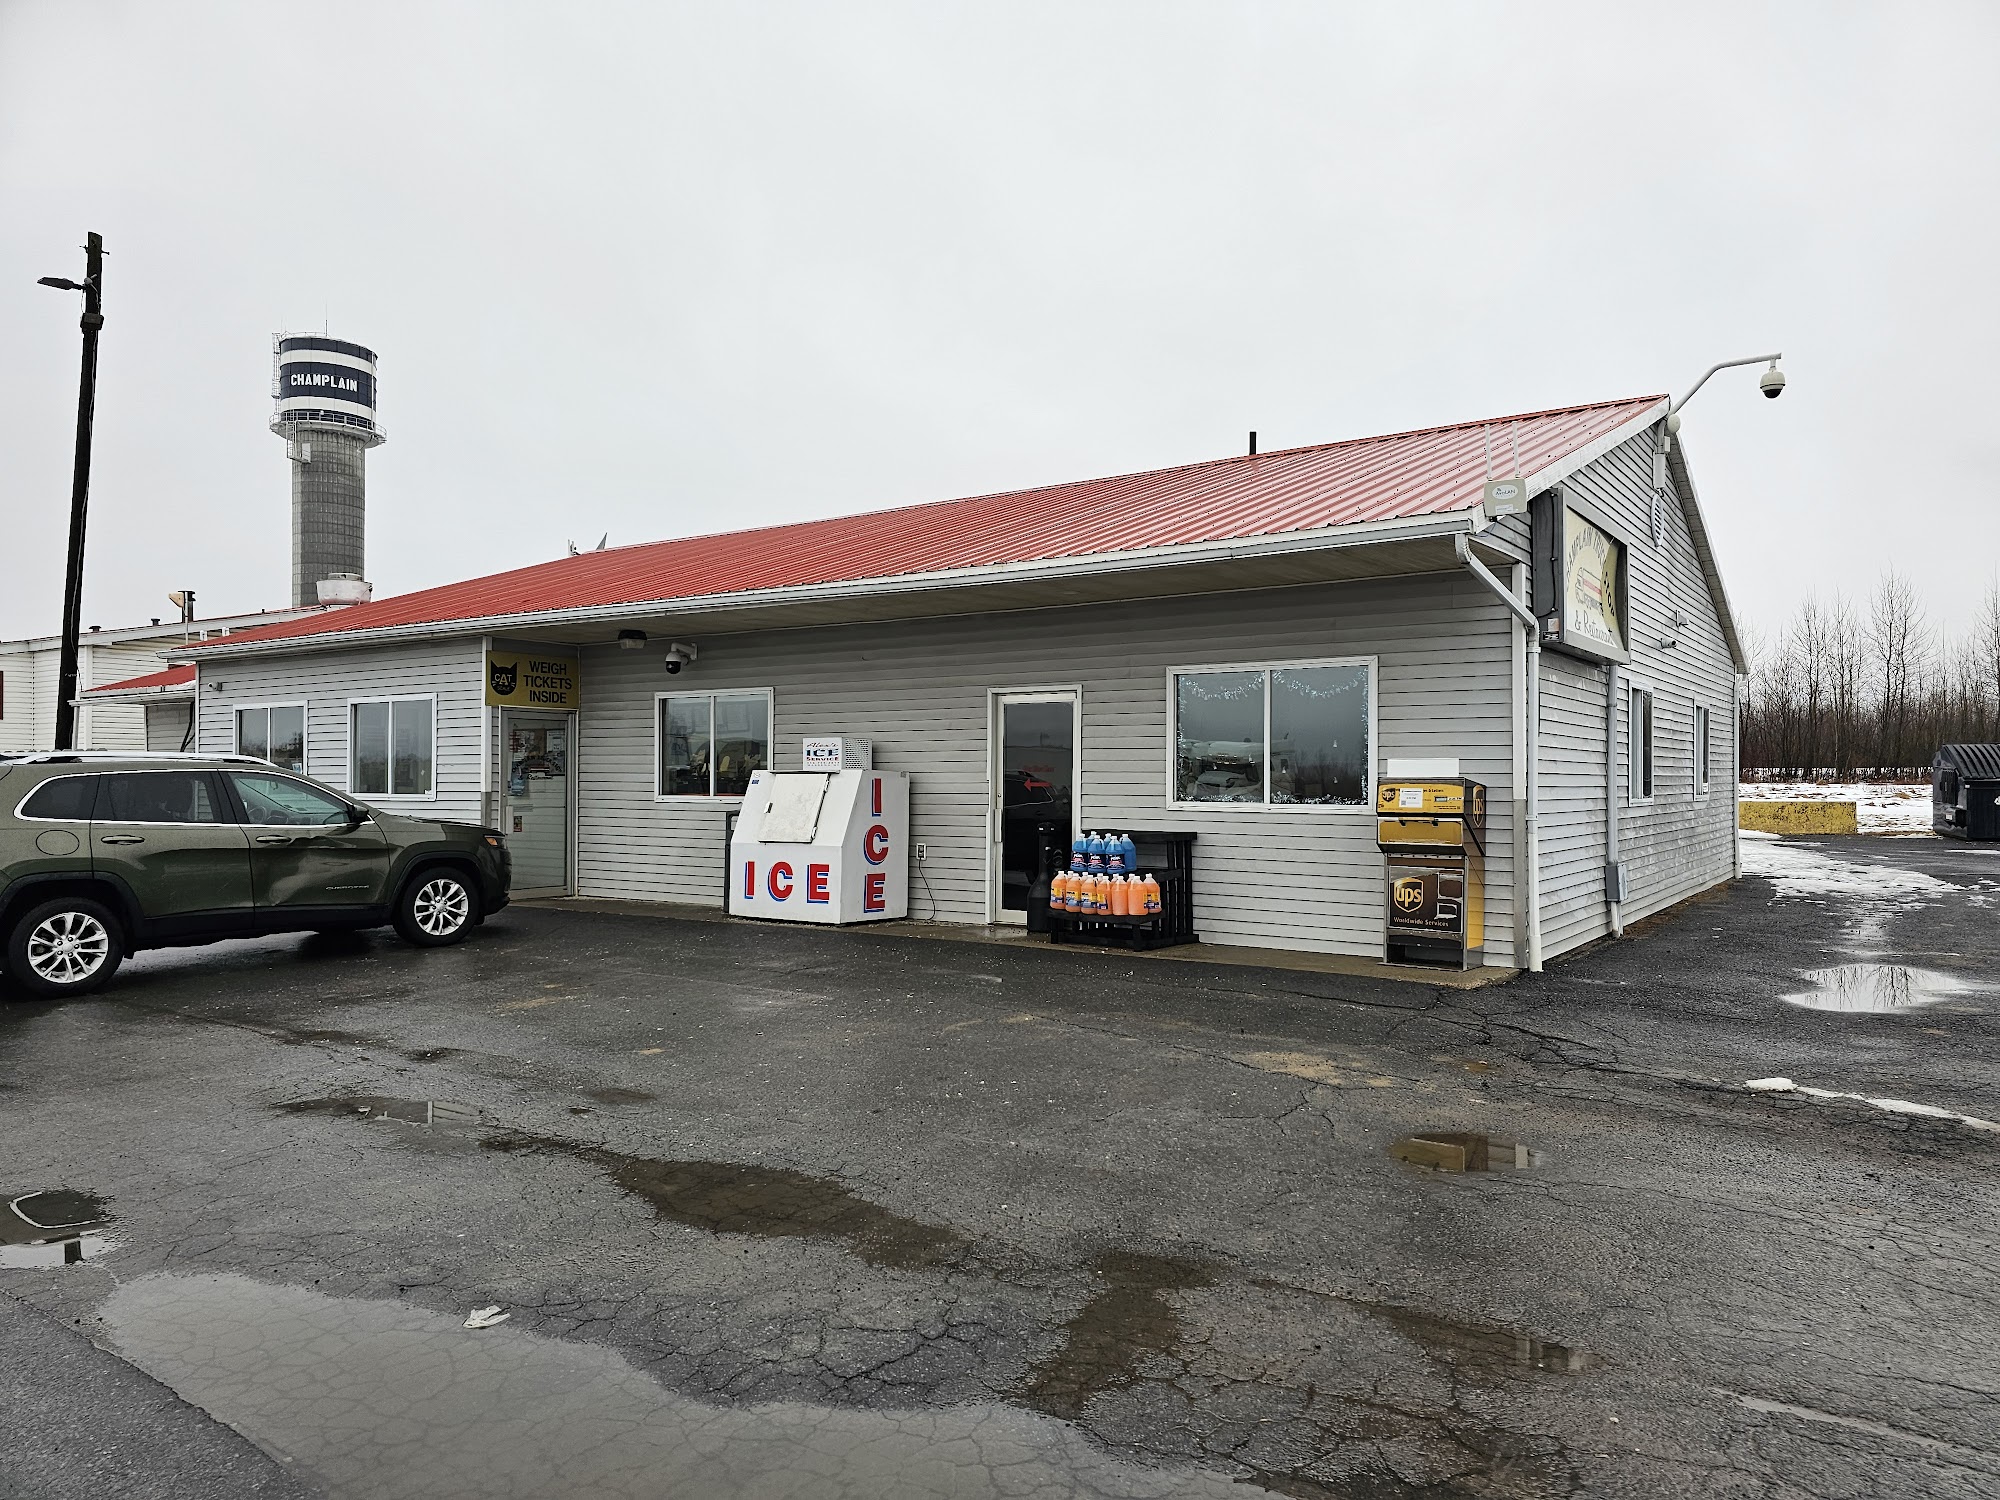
(102,854)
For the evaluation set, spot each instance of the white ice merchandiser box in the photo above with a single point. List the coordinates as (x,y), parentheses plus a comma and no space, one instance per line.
(822,846)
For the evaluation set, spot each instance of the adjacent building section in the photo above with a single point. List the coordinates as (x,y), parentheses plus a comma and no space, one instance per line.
(325,394)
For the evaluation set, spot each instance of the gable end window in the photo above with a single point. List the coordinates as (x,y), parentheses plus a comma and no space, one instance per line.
(392,747)
(1297,735)
(1639,745)
(1704,749)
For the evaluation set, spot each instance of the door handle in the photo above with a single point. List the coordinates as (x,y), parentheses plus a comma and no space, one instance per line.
(122,838)
(274,838)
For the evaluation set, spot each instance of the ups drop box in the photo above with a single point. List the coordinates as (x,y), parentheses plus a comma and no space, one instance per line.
(1433,838)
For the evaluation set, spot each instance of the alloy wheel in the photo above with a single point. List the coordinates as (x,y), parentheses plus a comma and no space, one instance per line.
(441,907)
(68,947)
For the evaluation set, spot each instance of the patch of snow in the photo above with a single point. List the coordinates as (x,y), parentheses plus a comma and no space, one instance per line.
(1879,807)
(1802,872)
(1891,1106)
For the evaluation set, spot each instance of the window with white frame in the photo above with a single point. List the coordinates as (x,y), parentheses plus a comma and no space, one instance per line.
(392,747)
(1704,753)
(1291,735)
(275,732)
(1639,745)
(709,743)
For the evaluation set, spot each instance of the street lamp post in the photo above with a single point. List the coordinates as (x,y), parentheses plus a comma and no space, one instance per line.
(92,287)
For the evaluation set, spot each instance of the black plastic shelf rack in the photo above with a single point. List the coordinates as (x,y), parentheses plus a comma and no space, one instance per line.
(1169,859)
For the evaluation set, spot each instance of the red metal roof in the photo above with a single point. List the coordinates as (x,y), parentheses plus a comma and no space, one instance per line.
(1429,472)
(172,677)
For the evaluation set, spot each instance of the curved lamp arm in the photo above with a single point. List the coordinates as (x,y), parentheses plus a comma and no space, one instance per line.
(1727,364)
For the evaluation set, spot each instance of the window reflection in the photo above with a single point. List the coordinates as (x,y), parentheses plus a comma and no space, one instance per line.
(1219,749)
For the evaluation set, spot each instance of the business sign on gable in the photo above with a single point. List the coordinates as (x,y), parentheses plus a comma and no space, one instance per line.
(1580,581)
(532,679)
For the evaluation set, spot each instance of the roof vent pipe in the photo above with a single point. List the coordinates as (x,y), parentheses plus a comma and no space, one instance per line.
(1253,445)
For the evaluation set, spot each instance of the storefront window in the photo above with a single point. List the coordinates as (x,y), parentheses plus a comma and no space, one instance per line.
(392,746)
(711,742)
(1219,738)
(276,733)
(1293,736)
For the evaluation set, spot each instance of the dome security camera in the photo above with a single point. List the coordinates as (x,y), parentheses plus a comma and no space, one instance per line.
(1772,382)
(679,654)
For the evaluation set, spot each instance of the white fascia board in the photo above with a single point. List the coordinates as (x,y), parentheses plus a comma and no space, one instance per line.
(1590,453)
(1325,539)
(137,695)
(1682,479)
(169,631)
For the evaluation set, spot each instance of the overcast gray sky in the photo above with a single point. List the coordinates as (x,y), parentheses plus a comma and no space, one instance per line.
(664,269)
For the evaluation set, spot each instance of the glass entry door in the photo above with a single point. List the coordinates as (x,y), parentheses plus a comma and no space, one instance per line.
(1035,776)
(535,799)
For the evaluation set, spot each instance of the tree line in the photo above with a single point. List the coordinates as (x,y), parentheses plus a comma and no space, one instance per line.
(1868,692)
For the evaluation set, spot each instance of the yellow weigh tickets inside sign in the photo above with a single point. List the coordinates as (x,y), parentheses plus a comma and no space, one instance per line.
(532,679)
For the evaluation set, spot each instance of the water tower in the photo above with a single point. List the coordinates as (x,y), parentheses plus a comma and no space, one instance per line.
(325,393)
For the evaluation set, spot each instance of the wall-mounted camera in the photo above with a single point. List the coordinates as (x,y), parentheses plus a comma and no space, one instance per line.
(679,654)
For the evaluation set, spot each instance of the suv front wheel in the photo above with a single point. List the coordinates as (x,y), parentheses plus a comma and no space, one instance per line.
(438,906)
(69,946)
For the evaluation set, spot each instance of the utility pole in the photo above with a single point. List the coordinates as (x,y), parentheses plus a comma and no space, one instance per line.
(92,288)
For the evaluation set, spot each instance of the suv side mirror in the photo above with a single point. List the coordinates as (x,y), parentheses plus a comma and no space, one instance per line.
(349,817)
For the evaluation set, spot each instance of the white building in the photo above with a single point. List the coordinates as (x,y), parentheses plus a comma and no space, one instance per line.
(110,720)
(1237,649)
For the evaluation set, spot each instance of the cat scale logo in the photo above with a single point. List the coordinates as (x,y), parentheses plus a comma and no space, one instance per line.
(502,679)
(1408,893)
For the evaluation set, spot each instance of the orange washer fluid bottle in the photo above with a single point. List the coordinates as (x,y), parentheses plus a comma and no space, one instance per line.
(1073,893)
(1056,890)
(1121,897)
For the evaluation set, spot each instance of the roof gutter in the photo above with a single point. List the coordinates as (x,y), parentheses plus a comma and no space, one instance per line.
(1457,523)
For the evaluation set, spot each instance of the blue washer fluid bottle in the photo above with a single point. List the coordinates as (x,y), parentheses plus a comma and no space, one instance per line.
(1079,852)
(1095,847)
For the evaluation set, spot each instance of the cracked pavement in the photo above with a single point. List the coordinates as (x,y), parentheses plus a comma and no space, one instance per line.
(783,1212)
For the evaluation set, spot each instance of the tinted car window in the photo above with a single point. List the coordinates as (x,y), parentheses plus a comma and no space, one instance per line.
(279,800)
(157,797)
(66,798)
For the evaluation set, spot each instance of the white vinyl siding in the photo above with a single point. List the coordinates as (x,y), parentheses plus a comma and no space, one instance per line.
(448,671)
(1266,876)
(1678,845)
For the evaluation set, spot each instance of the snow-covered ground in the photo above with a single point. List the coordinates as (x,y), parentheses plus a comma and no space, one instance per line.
(1879,807)
(1804,872)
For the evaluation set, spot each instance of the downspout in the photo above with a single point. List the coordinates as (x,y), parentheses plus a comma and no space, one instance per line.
(1532,876)
(1614,876)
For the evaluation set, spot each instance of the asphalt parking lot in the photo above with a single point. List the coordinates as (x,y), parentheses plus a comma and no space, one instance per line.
(777,1212)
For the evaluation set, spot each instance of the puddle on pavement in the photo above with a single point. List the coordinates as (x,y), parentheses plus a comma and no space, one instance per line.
(1108,1341)
(1481,1347)
(1876,989)
(53,1227)
(1470,1346)
(382,1107)
(1462,1151)
(724,1197)
(620,1096)
(382,1400)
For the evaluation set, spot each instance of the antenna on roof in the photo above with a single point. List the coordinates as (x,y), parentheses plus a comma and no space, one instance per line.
(601,541)
(1508,496)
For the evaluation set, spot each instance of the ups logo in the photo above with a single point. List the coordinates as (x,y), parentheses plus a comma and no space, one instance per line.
(503,679)
(1408,893)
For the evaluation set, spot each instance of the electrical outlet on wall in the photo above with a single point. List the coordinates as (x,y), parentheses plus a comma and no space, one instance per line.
(923,852)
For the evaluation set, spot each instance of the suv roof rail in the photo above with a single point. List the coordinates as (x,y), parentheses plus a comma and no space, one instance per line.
(169,757)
